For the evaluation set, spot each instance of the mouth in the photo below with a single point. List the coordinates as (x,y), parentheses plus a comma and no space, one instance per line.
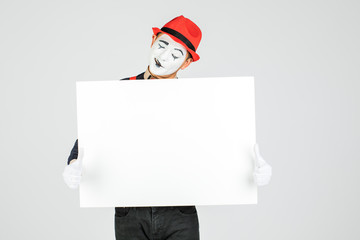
(157,63)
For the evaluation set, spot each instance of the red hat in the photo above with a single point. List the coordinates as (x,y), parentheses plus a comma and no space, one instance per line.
(183,31)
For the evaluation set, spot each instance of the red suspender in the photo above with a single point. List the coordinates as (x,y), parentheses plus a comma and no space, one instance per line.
(133,78)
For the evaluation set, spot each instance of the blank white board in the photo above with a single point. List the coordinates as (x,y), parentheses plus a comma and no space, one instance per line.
(167,142)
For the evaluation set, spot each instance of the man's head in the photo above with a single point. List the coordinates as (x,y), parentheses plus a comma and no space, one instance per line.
(167,56)
(174,46)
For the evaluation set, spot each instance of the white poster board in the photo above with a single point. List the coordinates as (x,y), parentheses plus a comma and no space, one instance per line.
(167,142)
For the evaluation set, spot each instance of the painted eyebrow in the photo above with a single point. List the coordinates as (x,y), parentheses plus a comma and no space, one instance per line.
(164,42)
(180,51)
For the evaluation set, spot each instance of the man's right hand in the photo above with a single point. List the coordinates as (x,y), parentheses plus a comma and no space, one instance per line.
(72,172)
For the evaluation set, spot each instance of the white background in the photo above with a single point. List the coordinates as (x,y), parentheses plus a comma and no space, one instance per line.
(304,56)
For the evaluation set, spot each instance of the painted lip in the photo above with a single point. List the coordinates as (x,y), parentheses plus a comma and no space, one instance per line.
(158,64)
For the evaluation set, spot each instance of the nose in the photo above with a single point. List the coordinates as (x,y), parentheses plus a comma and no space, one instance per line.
(165,55)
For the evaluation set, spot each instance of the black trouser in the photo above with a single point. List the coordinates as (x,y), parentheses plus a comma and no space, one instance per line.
(156,223)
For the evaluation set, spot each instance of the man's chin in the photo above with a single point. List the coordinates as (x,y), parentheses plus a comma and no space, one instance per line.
(158,71)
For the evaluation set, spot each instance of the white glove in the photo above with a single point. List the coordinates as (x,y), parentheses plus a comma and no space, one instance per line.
(263,171)
(72,172)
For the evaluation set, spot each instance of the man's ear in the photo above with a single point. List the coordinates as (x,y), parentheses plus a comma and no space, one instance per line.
(186,63)
(153,39)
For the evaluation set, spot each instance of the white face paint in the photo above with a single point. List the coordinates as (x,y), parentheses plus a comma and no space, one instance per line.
(166,56)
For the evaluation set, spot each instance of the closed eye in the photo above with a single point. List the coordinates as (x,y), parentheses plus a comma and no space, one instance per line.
(160,46)
(174,56)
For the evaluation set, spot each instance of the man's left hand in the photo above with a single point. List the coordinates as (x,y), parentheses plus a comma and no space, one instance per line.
(263,170)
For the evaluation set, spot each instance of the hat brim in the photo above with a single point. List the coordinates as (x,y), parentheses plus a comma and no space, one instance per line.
(194,55)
